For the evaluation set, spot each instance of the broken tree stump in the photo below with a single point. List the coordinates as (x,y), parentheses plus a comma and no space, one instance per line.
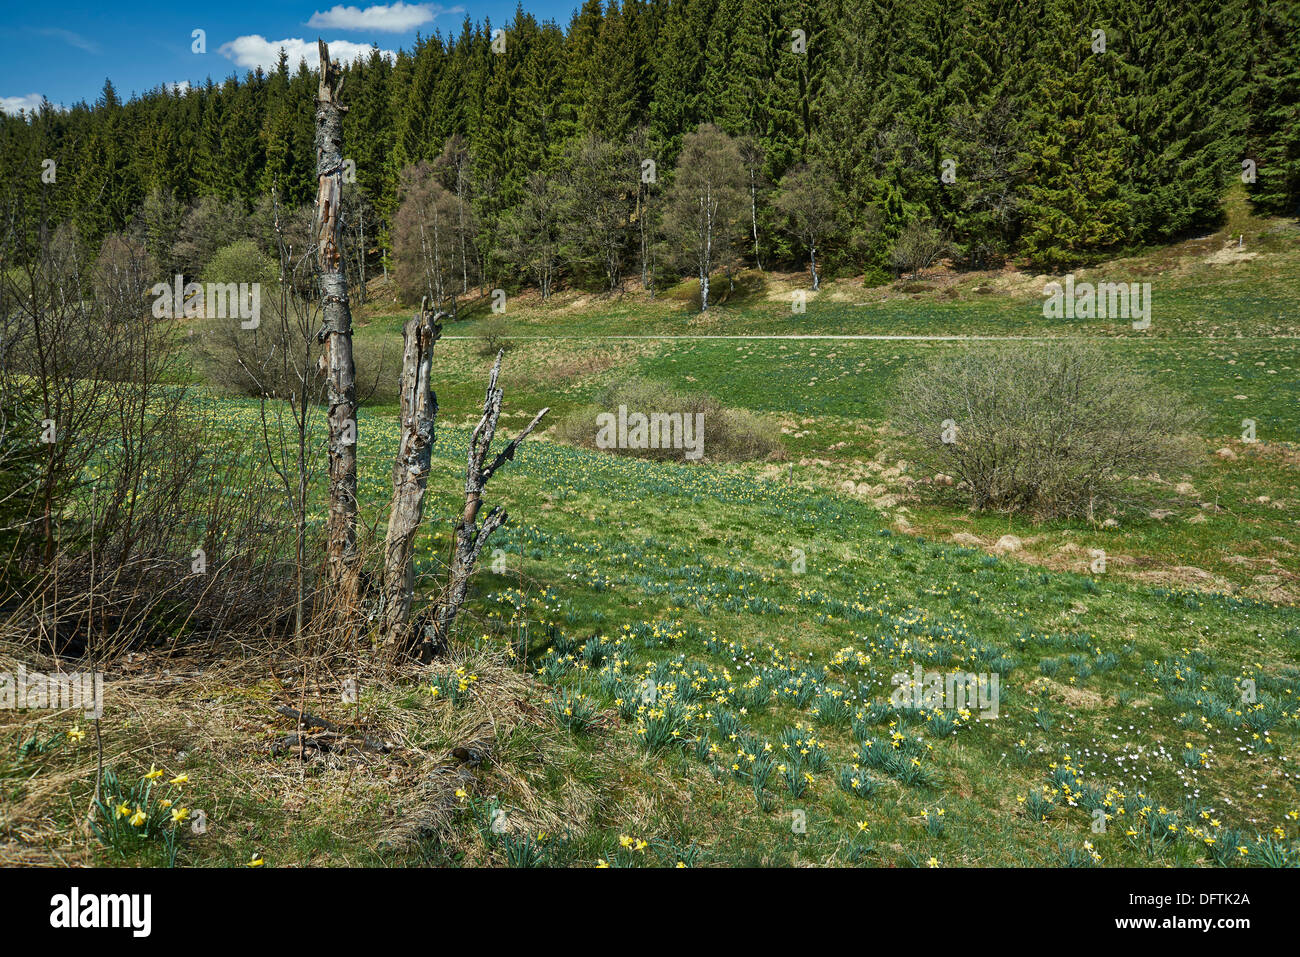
(419,413)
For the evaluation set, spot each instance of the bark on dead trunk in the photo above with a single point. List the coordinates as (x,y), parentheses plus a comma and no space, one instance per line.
(470,537)
(337,318)
(410,477)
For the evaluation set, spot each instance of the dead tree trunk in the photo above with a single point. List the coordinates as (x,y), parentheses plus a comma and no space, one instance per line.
(470,537)
(337,324)
(410,477)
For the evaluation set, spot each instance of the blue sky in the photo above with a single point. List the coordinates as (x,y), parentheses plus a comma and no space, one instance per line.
(65,50)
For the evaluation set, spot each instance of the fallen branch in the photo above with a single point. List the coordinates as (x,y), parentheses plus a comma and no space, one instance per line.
(325,730)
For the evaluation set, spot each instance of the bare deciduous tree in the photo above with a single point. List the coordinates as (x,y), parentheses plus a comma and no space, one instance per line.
(281,358)
(425,238)
(809,209)
(454,166)
(919,246)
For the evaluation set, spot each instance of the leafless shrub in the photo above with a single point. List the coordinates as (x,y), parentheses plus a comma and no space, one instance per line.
(1046,429)
(730,435)
(491,336)
(919,246)
(138,517)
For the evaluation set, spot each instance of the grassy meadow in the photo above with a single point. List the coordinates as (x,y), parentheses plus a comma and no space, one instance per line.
(1149,712)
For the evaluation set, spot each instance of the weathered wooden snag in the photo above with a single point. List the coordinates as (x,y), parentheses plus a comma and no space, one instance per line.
(336,332)
(410,477)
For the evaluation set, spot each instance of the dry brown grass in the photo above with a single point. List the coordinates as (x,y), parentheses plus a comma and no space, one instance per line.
(214,716)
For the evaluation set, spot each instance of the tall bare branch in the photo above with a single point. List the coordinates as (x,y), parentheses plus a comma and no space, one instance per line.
(470,535)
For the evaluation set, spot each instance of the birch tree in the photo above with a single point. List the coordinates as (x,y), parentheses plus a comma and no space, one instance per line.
(751,154)
(706,201)
(809,209)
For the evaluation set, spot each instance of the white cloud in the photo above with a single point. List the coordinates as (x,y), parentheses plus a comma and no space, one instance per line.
(13,104)
(384,18)
(253,51)
(179,87)
(70,38)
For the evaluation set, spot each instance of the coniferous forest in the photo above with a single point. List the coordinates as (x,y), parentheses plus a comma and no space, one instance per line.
(1048,131)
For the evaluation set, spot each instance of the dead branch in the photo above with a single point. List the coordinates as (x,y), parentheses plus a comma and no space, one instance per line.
(470,537)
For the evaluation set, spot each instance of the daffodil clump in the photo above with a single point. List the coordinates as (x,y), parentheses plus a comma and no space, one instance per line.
(637,852)
(901,756)
(935,821)
(855,780)
(666,721)
(129,818)
(831,707)
(1252,703)
(573,709)
(516,848)
(455,686)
